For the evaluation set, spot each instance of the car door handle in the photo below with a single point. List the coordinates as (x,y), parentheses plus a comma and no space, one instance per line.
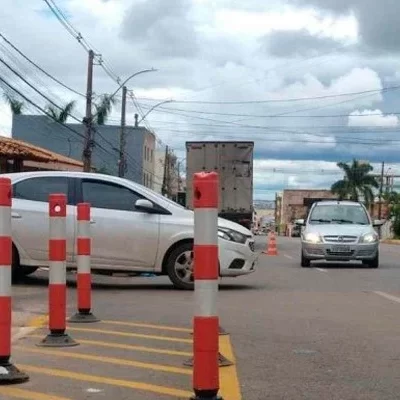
(15,215)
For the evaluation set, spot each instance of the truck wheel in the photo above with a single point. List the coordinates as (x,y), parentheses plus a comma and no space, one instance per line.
(180,267)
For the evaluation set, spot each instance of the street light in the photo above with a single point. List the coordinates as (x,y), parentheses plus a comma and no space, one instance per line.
(152,108)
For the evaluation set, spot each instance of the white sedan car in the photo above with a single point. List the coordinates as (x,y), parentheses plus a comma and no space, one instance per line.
(134,229)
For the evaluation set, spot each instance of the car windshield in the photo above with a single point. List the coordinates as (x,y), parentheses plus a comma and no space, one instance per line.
(339,214)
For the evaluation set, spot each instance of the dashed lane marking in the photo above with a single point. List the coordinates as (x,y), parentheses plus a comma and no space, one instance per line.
(109,360)
(135,335)
(150,326)
(321,269)
(229,381)
(103,380)
(288,256)
(388,296)
(28,395)
(129,347)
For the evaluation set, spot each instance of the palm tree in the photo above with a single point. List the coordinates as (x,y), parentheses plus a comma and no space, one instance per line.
(103,109)
(15,105)
(356,183)
(61,115)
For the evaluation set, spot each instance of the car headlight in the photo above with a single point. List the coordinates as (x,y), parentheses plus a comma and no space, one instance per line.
(312,238)
(369,238)
(230,234)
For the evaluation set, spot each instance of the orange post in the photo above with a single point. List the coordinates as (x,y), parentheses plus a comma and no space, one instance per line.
(271,245)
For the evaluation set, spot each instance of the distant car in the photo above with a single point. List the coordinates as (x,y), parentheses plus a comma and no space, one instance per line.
(134,229)
(296,231)
(339,231)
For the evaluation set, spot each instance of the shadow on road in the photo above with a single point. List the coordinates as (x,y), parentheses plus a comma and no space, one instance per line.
(339,265)
(42,281)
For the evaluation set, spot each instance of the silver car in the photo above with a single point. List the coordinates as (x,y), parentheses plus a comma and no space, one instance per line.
(339,231)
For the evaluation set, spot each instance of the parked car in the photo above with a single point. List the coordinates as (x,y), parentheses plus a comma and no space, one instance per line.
(296,231)
(134,229)
(339,231)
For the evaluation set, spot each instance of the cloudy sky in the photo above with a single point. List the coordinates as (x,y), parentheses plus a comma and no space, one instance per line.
(311,82)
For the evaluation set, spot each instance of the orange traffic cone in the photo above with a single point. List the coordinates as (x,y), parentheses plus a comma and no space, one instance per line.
(271,249)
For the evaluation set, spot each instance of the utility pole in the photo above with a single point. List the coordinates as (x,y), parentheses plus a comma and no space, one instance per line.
(88,144)
(164,189)
(122,140)
(381,191)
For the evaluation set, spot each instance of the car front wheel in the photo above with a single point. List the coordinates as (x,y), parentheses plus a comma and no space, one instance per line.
(374,263)
(305,262)
(180,267)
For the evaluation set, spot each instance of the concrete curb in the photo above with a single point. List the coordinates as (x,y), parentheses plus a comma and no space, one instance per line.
(19,332)
(391,241)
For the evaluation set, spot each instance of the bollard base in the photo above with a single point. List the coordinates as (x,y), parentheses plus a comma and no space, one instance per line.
(221,332)
(222,361)
(206,395)
(80,317)
(10,375)
(57,340)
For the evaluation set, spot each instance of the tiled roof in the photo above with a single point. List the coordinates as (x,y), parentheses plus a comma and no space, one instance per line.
(13,148)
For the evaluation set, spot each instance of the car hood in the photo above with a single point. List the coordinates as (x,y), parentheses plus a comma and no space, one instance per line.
(339,229)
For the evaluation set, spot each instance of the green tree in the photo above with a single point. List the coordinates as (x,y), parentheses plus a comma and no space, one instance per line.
(61,114)
(357,182)
(16,106)
(392,199)
(104,108)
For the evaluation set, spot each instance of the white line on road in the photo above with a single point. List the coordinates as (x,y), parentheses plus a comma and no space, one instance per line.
(388,296)
(321,270)
(289,257)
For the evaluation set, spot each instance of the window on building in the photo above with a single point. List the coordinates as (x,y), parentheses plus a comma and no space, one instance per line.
(39,189)
(145,153)
(109,195)
(151,155)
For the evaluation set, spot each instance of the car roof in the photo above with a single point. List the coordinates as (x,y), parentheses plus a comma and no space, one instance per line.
(338,202)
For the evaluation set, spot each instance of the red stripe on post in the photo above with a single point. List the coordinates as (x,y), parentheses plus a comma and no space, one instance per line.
(84,287)
(205,190)
(57,205)
(5,250)
(57,249)
(57,306)
(83,246)
(205,351)
(83,212)
(5,192)
(205,262)
(5,326)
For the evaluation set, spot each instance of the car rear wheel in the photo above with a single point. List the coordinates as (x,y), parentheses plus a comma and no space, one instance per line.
(180,267)
(19,271)
(305,262)
(374,263)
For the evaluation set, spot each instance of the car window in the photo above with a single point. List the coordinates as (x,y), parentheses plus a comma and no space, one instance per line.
(338,214)
(108,195)
(39,189)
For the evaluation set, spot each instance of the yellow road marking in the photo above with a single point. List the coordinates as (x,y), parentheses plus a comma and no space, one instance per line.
(128,334)
(150,326)
(228,377)
(38,322)
(130,347)
(28,395)
(109,360)
(107,381)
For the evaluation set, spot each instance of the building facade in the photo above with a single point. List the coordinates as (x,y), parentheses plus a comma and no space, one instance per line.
(68,140)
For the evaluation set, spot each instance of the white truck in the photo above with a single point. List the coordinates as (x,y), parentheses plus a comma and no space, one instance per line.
(233,161)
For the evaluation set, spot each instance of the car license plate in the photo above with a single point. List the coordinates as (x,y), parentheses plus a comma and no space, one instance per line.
(341,249)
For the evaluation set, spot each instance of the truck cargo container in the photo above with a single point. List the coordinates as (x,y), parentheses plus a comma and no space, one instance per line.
(233,161)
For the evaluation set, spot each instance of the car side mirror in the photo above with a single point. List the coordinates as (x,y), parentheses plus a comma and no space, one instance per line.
(299,222)
(378,222)
(144,205)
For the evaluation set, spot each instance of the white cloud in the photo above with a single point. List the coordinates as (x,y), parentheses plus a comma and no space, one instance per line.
(368,118)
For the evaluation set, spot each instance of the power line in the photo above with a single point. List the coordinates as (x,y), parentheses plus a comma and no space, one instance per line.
(40,68)
(289,100)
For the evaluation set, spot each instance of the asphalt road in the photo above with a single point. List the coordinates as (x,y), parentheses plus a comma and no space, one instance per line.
(331,331)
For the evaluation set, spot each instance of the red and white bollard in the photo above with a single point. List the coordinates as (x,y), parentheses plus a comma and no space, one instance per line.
(9,374)
(83,244)
(57,274)
(206,274)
